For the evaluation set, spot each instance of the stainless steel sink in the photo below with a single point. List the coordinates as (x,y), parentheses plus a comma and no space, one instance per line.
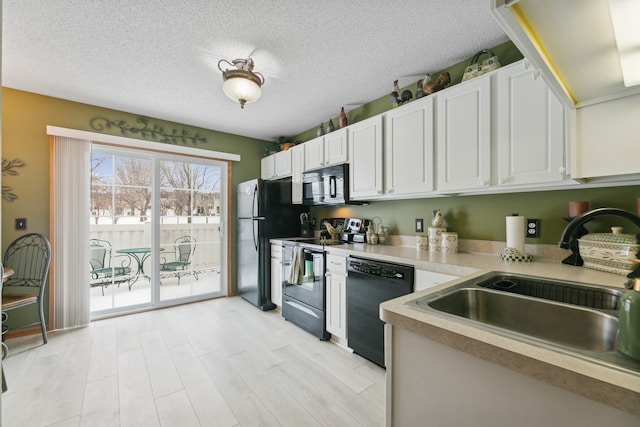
(573,326)
(570,317)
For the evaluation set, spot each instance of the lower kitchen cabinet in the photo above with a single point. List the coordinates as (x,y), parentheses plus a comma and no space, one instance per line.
(336,297)
(276,274)
(425,279)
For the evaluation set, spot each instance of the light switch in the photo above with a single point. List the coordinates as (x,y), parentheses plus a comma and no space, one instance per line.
(21,223)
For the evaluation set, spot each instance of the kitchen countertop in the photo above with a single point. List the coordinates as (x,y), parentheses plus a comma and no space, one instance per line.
(612,386)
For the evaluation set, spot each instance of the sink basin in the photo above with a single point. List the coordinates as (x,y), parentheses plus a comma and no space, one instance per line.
(569,317)
(573,326)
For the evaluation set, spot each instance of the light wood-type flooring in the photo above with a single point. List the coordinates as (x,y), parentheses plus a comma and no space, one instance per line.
(216,363)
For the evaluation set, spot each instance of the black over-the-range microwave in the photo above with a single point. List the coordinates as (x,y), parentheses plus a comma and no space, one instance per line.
(327,186)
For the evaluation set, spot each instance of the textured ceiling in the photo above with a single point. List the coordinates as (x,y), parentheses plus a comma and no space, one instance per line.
(159,58)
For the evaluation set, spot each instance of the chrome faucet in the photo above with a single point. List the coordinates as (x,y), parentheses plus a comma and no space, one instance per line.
(574,230)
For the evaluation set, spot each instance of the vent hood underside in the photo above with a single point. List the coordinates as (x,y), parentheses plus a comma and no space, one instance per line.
(571,42)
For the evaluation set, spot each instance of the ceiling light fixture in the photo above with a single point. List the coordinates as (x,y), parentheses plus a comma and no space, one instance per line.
(241,84)
(624,15)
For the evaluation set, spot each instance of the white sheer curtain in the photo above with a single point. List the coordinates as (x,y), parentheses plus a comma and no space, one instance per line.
(70,233)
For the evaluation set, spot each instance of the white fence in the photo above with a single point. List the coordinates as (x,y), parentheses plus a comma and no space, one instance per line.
(207,254)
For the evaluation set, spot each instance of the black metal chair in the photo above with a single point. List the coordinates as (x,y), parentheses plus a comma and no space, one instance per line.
(102,272)
(184,248)
(29,257)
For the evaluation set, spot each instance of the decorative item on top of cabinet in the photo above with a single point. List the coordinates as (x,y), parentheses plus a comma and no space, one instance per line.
(330,126)
(397,98)
(477,67)
(342,119)
(320,130)
(441,82)
(419,92)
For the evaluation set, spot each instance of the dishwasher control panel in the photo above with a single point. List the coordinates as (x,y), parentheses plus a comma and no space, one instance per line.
(376,269)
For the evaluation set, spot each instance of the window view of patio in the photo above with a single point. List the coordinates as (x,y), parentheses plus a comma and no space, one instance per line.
(124,271)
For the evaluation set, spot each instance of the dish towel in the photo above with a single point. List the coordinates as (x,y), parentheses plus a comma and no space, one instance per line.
(297,266)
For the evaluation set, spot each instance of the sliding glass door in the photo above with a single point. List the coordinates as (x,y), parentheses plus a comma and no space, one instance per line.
(155,229)
(190,224)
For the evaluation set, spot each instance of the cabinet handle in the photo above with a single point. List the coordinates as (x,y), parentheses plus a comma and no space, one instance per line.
(483,182)
(536,74)
(502,181)
(562,170)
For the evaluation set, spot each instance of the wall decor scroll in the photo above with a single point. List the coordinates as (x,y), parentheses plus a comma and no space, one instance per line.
(147,130)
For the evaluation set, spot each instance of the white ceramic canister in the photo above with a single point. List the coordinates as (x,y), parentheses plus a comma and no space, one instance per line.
(422,242)
(449,242)
(435,238)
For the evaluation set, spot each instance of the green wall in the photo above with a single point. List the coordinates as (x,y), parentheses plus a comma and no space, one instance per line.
(25,117)
(482,217)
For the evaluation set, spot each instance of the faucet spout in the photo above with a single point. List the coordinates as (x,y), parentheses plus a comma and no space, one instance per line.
(569,238)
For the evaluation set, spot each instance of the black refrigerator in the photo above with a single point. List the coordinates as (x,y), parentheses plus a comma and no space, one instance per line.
(264,211)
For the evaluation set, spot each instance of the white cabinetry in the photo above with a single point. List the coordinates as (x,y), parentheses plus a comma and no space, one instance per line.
(409,149)
(365,152)
(606,140)
(297,167)
(530,129)
(464,136)
(327,150)
(276,274)
(276,166)
(425,279)
(336,288)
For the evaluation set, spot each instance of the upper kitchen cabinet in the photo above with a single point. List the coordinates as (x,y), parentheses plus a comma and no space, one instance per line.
(463,136)
(326,150)
(297,167)
(409,149)
(606,144)
(365,152)
(530,129)
(276,166)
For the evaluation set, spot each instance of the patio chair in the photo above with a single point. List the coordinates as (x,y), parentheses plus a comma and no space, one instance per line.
(184,247)
(28,256)
(102,272)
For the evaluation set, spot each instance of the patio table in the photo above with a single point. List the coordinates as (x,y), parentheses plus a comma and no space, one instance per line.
(140,255)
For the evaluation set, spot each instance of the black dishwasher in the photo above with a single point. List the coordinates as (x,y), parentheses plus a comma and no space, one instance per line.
(369,283)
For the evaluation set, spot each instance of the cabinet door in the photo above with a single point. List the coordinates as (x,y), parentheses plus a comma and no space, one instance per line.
(267,167)
(531,129)
(365,152)
(282,165)
(297,167)
(464,135)
(409,148)
(314,154)
(335,147)
(425,279)
(336,288)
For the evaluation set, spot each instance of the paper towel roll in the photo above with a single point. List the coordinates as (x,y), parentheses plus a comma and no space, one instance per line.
(515,233)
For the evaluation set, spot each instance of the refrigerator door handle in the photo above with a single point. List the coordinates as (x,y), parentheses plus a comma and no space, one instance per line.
(253,230)
(221,230)
(254,204)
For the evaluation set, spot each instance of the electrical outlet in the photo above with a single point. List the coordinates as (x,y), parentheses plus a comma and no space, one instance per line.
(419,225)
(21,223)
(533,228)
